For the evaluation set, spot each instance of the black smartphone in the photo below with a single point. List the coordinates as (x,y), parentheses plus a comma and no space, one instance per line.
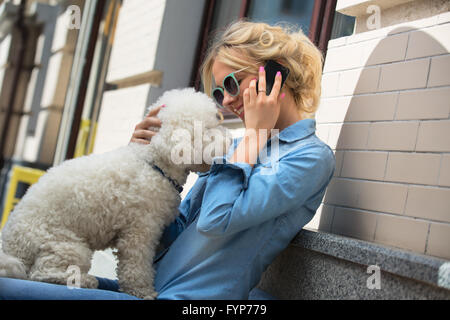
(272,67)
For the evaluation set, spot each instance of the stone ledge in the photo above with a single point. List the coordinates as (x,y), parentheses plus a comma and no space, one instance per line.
(323,266)
(432,270)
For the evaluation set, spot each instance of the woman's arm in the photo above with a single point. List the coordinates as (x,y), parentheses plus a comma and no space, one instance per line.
(238,196)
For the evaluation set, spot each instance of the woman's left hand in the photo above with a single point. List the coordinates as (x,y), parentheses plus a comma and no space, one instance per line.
(261,110)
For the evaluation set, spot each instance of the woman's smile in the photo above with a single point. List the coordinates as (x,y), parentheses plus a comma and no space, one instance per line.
(239,111)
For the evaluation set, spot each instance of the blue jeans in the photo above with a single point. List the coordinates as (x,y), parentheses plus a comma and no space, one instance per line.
(15,289)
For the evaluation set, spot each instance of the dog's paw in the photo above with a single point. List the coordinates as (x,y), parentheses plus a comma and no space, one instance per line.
(151,297)
(11,267)
(89,281)
(145,294)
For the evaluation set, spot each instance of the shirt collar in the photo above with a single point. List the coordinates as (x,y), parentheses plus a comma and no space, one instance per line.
(299,130)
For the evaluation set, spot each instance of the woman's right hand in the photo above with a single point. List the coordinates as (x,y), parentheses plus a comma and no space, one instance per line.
(141,133)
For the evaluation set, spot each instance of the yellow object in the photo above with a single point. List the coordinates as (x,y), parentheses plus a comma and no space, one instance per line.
(83,146)
(83,134)
(92,139)
(19,174)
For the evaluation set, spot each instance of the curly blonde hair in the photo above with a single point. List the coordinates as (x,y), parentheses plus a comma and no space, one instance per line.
(245,44)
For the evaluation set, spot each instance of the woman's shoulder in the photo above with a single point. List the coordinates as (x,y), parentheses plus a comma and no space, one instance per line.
(314,154)
(307,146)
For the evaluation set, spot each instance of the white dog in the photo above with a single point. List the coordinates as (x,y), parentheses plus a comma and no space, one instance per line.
(121,199)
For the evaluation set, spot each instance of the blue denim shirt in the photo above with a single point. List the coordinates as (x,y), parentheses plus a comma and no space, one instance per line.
(237,218)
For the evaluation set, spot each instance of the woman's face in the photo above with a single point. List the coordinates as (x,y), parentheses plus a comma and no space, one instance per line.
(235,104)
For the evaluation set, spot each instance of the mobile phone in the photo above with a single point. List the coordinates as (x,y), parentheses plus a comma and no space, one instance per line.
(272,67)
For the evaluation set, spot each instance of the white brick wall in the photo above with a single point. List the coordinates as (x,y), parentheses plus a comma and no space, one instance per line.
(385,111)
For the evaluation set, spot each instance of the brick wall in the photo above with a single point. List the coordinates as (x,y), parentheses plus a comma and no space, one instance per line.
(385,111)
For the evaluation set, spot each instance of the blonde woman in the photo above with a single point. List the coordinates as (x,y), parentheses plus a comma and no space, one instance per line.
(242,213)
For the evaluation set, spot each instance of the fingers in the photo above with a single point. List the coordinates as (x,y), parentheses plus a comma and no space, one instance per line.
(149,122)
(262,80)
(252,90)
(143,134)
(246,97)
(154,111)
(141,141)
(276,86)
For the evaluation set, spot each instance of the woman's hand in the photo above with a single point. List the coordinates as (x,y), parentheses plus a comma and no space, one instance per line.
(261,110)
(261,113)
(141,132)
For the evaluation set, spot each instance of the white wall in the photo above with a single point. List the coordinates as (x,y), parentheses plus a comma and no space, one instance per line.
(385,111)
(133,52)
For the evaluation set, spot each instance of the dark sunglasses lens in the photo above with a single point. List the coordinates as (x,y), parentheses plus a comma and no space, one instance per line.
(218,96)
(231,86)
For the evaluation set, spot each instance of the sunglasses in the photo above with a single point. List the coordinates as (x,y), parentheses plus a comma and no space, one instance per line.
(231,86)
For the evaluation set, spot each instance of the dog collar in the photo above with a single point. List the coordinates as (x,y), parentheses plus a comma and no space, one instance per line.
(173,182)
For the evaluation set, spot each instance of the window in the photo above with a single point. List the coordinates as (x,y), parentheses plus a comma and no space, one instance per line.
(294,12)
(315,17)
(342,26)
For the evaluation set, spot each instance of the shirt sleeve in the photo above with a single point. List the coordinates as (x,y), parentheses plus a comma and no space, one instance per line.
(238,196)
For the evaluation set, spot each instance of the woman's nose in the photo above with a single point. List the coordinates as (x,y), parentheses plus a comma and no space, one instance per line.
(228,99)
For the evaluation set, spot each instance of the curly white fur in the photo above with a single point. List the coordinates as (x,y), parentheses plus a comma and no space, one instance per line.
(114,199)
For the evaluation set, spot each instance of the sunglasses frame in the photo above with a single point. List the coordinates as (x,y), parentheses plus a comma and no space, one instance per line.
(221,89)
